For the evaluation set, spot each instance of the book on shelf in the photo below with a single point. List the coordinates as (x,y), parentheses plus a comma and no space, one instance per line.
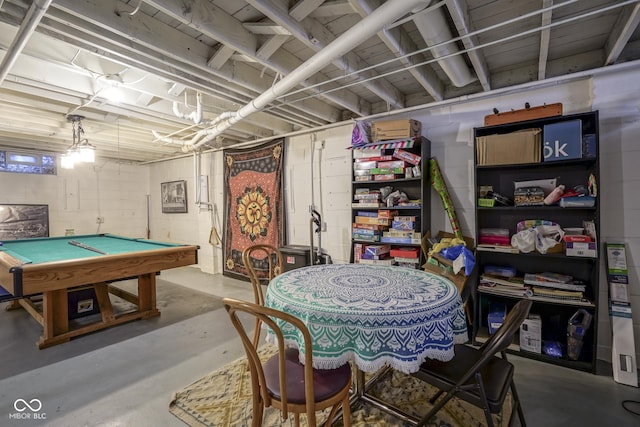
(514,282)
(491,288)
(554,277)
(533,280)
(557,293)
(569,301)
(497,248)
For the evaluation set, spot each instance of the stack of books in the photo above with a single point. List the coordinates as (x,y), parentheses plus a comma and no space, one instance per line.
(504,285)
(546,286)
(555,286)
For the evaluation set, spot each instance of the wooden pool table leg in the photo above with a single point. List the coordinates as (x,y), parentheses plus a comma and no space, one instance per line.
(55,317)
(147,294)
(104,302)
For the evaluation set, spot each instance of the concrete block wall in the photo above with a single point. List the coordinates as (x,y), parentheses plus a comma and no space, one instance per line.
(77,197)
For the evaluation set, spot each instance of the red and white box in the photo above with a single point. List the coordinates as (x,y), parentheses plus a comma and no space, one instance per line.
(405,252)
(408,157)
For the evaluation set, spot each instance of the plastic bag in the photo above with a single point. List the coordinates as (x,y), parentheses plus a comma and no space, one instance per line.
(547,236)
(524,240)
(540,238)
(461,256)
(361,133)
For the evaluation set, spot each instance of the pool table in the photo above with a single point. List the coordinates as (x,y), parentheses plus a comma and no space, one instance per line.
(47,268)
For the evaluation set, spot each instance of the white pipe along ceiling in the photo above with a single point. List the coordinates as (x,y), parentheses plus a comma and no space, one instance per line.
(212,74)
(388,12)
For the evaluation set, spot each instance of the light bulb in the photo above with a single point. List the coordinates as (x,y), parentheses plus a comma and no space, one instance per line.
(66,162)
(87,154)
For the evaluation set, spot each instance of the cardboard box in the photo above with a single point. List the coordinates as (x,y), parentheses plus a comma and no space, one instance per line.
(497,313)
(412,253)
(563,141)
(583,249)
(387,177)
(404,225)
(388,214)
(414,159)
(524,146)
(442,266)
(377,249)
(396,129)
(531,334)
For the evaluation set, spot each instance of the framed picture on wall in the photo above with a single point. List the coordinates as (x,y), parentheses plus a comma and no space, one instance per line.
(24,221)
(174,196)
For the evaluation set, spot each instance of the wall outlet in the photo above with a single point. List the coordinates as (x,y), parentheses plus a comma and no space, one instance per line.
(100,220)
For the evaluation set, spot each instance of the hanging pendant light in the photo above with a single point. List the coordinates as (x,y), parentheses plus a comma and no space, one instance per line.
(80,151)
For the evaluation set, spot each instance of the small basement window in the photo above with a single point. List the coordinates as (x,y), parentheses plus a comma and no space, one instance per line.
(34,162)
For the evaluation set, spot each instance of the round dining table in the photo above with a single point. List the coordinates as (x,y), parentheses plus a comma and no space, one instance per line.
(375,316)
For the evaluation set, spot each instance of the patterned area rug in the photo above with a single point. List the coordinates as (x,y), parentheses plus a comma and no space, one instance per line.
(223,398)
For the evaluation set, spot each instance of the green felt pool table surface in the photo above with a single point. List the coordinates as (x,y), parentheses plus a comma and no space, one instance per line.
(50,249)
(31,266)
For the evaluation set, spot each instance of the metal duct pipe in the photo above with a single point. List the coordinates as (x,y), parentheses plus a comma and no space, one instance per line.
(435,31)
(27,28)
(386,13)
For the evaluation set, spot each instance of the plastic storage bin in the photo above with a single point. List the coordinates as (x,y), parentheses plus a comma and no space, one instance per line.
(295,256)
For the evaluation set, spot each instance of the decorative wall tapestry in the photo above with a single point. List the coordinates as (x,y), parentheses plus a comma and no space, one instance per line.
(254,205)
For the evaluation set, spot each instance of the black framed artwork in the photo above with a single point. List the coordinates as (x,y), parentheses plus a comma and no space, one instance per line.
(23,221)
(174,196)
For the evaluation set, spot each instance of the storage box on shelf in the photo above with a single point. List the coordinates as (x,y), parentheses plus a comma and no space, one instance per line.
(554,306)
(396,129)
(382,216)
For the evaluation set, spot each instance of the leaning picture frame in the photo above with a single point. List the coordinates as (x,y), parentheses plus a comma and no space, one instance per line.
(174,196)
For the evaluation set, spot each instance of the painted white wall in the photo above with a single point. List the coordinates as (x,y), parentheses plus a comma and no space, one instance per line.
(323,156)
(194,227)
(77,197)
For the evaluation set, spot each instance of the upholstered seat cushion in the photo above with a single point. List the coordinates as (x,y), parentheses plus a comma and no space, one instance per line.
(326,382)
(496,375)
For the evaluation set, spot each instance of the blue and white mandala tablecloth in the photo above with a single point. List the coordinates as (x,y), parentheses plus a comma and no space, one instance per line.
(373,315)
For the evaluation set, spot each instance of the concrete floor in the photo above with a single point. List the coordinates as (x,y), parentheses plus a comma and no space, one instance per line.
(130,382)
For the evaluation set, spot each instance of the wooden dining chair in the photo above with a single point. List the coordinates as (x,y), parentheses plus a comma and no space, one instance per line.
(282,381)
(478,375)
(263,262)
